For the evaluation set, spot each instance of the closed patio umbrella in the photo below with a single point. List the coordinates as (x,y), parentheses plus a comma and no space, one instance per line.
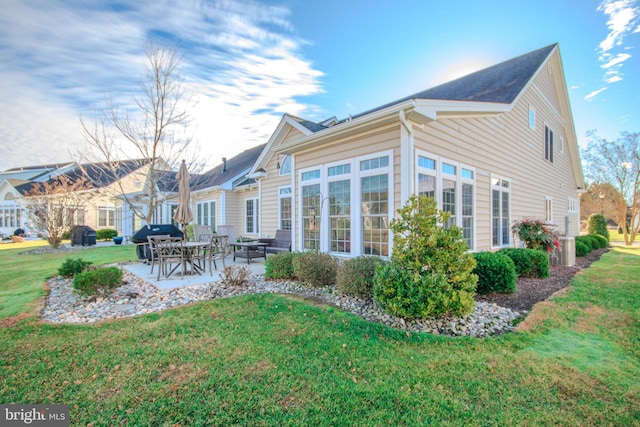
(183,214)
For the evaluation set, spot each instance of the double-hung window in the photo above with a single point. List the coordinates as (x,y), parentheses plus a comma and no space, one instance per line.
(285,208)
(500,212)
(106,216)
(339,200)
(452,185)
(206,213)
(374,197)
(251,215)
(311,209)
(548,144)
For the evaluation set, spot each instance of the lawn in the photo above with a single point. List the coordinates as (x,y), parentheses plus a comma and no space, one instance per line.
(276,360)
(23,280)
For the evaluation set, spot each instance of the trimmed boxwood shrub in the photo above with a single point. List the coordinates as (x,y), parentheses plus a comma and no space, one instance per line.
(412,296)
(595,243)
(315,268)
(602,239)
(100,281)
(585,241)
(581,248)
(496,272)
(106,234)
(355,276)
(70,267)
(280,266)
(528,262)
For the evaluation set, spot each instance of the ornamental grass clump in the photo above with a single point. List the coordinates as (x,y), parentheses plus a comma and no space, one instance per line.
(431,271)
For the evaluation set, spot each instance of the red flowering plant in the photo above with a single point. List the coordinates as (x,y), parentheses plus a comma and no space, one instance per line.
(536,234)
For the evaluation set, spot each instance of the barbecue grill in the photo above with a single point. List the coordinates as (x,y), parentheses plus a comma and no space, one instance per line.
(142,243)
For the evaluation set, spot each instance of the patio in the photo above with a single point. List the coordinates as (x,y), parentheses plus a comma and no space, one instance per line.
(143,271)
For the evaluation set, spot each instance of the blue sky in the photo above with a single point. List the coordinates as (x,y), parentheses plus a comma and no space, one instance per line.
(248,62)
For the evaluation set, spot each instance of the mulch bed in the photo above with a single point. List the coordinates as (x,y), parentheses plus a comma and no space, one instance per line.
(530,291)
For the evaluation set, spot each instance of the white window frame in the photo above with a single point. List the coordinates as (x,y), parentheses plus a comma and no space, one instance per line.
(549,136)
(572,205)
(501,231)
(341,177)
(548,209)
(532,118)
(255,215)
(110,218)
(285,192)
(439,175)
(322,212)
(285,166)
(212,218)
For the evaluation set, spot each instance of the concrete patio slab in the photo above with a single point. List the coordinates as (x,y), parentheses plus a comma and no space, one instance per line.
(143,271)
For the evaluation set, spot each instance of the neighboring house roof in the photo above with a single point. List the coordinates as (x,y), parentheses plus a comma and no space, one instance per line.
(230,170)
(98,175)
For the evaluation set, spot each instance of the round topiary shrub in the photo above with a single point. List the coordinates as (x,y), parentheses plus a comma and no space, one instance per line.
(100,281)
(355,276)
(496,273)
(315,268)
(598,225)
(280,266)
(528,262)
(601,239)
(581,248)
(585,241)
(595,243)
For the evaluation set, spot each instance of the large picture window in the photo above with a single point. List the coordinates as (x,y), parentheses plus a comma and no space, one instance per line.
(500,212)
(311,215)
(452,185)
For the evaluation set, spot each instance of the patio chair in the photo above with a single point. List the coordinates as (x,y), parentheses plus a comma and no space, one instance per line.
(201,230)
(229,231)
(153,252)
(170,251)
(217,250)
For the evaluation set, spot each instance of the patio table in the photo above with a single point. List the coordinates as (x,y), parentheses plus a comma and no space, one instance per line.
(249,250)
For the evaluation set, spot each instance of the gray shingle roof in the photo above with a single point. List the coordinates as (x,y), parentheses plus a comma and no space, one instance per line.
(220,175)
(499,83)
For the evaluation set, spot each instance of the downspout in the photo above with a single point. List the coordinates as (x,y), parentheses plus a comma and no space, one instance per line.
(407,161)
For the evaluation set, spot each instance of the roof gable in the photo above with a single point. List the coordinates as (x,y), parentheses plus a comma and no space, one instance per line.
(227,172)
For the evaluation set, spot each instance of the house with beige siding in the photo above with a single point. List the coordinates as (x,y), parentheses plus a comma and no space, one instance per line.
(493,147)
(98,208)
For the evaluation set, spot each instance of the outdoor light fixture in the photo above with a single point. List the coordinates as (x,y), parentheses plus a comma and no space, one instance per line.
(312,218)
(602,203)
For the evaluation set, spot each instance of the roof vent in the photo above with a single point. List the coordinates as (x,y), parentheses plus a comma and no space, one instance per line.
(224,164)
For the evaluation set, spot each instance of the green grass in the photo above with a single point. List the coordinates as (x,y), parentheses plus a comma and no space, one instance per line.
(275,360)
(23,276)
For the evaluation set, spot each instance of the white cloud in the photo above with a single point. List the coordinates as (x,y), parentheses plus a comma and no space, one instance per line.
(616,60)
(242,62)
(622,16)
(590,96)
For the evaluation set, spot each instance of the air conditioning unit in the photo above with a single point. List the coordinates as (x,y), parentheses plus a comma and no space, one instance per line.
(567,251)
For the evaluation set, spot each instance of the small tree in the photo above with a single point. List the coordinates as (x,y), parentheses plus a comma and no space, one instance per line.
(431,270)
(618,163)
(153,130)
(53,205)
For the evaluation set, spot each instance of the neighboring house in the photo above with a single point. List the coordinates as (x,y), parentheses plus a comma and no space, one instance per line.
(492,147)
(223,195)
(99,210)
